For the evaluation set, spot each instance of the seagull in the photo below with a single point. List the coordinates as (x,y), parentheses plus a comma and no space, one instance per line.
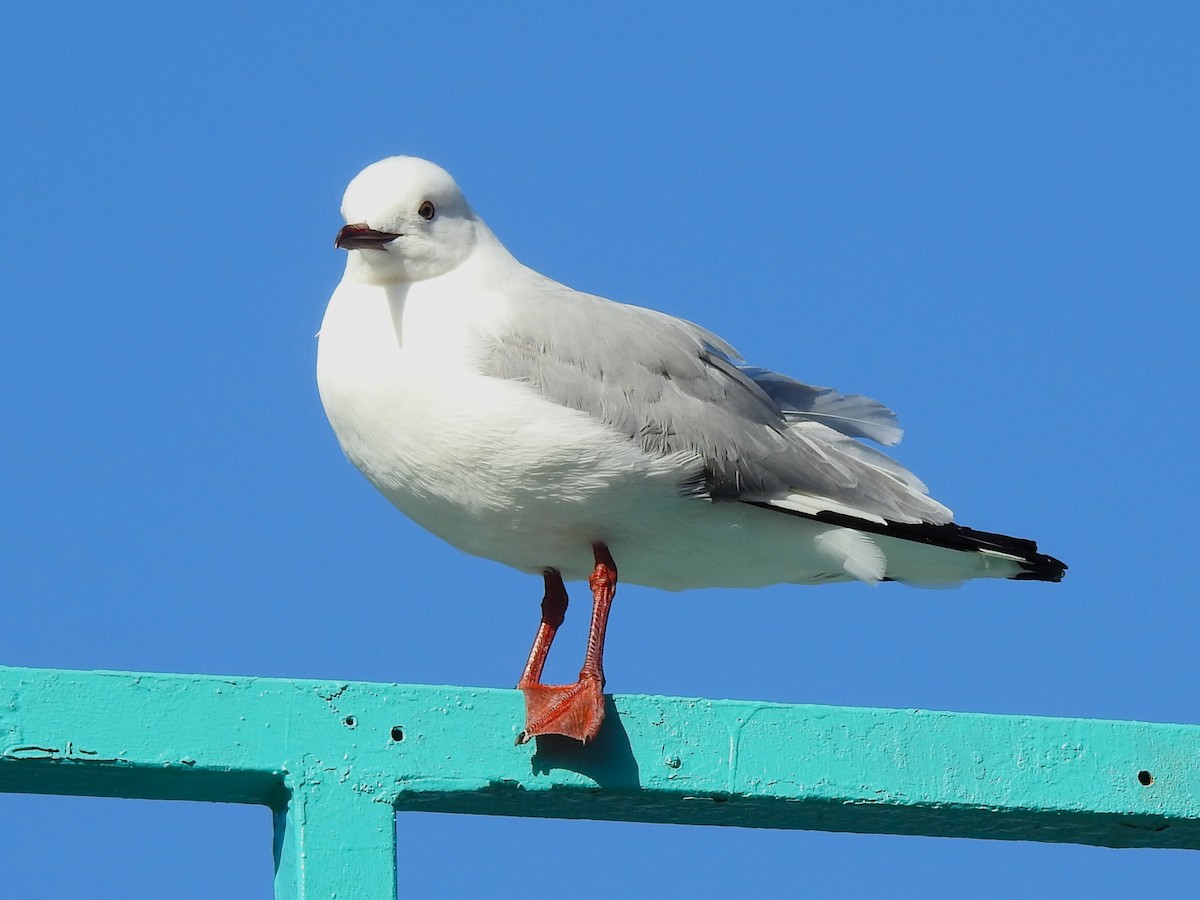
(564,434)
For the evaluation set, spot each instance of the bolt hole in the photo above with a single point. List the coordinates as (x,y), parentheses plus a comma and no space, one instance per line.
(350,721)
(397,733)
(1145,778)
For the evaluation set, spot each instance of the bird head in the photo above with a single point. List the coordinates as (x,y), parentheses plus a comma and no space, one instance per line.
(406,220)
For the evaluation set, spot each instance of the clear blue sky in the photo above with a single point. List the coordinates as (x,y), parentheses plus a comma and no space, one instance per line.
(983,214)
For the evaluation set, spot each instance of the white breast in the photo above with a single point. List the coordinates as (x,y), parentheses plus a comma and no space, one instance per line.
(487,464)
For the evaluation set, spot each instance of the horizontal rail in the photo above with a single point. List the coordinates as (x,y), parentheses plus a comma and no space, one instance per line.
(658,759)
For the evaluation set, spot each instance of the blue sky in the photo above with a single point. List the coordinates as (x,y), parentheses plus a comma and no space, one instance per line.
(984,215)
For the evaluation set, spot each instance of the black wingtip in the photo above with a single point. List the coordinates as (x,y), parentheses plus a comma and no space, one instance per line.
(1041,567)
(1035,566)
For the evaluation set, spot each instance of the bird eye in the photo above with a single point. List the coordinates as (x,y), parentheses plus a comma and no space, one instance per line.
(425,210)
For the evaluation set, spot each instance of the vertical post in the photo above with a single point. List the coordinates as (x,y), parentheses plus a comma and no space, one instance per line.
(333,841)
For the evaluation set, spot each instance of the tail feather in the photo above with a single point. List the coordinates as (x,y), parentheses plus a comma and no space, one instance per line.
(1034,566)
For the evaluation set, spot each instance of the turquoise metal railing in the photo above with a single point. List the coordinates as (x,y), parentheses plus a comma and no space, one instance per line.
(335,761)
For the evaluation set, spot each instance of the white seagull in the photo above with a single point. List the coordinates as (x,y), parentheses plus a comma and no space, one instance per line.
(562,434)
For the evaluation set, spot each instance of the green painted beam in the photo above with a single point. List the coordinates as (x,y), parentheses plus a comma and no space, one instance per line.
(335,759)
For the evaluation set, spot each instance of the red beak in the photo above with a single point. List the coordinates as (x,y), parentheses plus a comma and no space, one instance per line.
(362,237)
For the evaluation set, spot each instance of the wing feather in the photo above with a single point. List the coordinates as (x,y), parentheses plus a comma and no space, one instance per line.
(674,387)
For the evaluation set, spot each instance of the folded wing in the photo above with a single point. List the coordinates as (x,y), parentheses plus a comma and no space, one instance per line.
(676,388)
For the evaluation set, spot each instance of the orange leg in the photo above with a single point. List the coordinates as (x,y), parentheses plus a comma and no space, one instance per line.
(554,610)
(575,710)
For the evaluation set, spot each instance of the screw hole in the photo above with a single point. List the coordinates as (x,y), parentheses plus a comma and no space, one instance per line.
(350,721)
(397,733)
(1145,778)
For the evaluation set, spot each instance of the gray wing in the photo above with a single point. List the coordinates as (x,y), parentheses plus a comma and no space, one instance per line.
(675,387)
(851,414)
